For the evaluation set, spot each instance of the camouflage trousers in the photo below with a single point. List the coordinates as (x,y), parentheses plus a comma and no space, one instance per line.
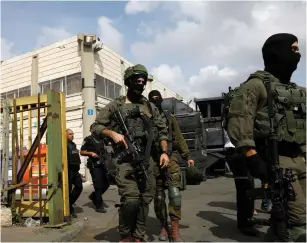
(297,209)
(134,209)
(170,179)
(296,234)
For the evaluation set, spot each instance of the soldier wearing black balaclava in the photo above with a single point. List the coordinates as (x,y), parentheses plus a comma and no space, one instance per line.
(140,117)
(280,57)
(169,178)
(249,127)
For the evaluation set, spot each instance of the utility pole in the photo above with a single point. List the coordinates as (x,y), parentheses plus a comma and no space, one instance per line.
(122,71)
(86,48)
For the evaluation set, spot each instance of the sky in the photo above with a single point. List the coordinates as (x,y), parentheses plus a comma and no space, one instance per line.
(198,48)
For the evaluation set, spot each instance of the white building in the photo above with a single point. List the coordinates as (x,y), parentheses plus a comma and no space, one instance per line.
(62,66)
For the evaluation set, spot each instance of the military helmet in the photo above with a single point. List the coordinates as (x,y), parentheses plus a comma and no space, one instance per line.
(134,70)
(194,175)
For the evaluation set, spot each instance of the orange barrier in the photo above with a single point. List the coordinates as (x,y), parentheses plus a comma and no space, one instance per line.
(33,172)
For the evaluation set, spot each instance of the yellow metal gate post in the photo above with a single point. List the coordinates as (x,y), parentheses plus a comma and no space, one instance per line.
(54,159)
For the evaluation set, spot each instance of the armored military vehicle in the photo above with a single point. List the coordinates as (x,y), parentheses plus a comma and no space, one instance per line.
(216,140)
(202,130)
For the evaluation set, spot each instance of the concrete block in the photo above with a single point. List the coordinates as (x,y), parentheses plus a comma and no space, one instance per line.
(6,216)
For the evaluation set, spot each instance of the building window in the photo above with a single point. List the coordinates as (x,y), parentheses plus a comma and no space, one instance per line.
(117,90)
(57,84)
(100,86)
(73,84)
(12,94)
(21,92)
(107,88)
(110,89)
(25,91)
(3,96)
(45,87)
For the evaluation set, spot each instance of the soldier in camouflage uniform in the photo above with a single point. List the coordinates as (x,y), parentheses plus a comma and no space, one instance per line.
(170,178)
(134,208)
(248,124)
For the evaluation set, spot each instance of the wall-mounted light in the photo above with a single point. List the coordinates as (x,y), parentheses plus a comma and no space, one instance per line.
(98,46)
(88,39)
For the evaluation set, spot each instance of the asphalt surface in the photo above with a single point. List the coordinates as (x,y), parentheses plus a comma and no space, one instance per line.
(208,214)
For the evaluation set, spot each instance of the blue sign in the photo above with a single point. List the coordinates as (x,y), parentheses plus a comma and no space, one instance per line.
(90,112)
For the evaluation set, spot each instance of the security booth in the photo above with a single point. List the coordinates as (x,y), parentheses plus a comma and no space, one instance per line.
(215,136)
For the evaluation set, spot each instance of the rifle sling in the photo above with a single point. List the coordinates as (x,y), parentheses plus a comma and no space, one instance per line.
(148,127)
(272,139)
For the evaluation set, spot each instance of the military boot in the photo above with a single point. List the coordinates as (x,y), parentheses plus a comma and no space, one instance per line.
(100,209)
(163,234)
(249,231)
(247,227)
(175,231)
(134,239)
(104,204)
(124,239)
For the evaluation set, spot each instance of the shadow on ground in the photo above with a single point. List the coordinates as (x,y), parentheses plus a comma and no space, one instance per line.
(152,231)
(89,205)
(78,210)
(221,204)
(225,228)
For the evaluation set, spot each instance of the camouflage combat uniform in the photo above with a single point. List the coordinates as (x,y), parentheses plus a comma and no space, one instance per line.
(134,208)
(170,179)
(248,123)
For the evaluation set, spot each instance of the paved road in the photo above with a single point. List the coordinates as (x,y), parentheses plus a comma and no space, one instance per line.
(209,214)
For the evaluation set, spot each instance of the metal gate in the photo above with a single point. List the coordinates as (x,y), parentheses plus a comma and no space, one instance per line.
(39,178)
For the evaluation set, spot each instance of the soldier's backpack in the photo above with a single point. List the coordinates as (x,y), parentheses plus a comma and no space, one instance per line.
(228,97)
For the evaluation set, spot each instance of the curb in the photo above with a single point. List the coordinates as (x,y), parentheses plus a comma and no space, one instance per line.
(68,236)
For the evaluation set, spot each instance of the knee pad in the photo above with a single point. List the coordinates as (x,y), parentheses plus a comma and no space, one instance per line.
(174,196)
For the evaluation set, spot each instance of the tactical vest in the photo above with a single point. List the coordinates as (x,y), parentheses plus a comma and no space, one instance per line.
(289,105)
(133,116)
(73,154)
(98,145)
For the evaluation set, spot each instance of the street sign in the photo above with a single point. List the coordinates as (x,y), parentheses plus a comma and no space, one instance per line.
(90,112)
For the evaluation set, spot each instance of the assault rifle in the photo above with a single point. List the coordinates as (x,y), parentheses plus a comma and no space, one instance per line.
(280,189)
(134,148)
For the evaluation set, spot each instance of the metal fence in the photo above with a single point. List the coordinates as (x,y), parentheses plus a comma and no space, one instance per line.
(38,186)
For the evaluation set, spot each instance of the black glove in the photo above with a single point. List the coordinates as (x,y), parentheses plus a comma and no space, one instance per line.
(257,167)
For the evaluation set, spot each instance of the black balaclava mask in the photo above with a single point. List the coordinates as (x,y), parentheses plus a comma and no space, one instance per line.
(135,89)
(279,58)
(157,102)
